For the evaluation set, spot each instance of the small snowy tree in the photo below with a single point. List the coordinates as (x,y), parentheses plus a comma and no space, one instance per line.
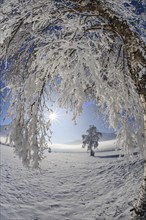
(82,49)
(91,139)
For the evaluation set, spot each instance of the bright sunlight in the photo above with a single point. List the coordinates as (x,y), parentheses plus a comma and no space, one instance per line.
(53,116)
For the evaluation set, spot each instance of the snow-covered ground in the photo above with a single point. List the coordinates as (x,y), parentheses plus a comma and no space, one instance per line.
(103,146)
(69,186)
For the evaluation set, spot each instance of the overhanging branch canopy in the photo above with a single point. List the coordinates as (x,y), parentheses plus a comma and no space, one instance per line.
(81,49)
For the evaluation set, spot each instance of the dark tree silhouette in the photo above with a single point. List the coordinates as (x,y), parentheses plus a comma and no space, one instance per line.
(91,139)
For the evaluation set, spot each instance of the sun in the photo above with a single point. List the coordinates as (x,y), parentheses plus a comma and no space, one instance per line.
(53,116)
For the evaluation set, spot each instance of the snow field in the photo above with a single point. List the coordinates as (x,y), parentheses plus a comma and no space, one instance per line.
(69,186)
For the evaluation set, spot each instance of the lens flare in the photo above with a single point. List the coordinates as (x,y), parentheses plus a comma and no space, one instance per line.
(53,116)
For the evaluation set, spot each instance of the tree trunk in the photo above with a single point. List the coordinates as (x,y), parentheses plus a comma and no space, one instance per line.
(139,210)
(91,152)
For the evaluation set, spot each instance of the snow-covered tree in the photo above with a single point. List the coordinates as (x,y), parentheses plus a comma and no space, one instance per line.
(91,49)
(91,139)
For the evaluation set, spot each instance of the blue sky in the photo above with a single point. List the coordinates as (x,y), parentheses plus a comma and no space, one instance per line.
(3,120)
(65,130)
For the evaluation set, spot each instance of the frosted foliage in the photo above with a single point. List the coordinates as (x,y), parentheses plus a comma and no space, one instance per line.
(91,138)
(28,134)
(75,49)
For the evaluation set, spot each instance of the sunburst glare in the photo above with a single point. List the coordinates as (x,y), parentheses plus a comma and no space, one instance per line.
(53,116)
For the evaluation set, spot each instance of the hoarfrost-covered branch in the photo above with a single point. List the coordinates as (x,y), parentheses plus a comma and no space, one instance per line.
(81,50)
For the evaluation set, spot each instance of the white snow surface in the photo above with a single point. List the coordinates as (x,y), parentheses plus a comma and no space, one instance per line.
(69,186)
(103,146)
